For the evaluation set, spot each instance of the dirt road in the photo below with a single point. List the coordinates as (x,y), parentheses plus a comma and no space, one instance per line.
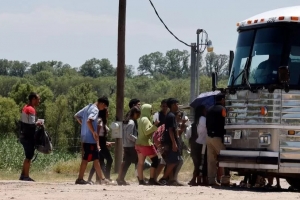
(25,191)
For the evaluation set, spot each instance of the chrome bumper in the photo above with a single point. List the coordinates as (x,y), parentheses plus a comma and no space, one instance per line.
(249,159)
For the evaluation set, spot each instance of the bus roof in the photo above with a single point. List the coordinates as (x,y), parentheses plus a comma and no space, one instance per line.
(288,14)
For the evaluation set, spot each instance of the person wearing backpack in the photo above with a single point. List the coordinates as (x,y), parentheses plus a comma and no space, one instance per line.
(198,145)
(129,137)
(27,133)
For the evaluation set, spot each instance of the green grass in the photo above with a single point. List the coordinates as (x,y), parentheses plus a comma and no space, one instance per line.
(57,166)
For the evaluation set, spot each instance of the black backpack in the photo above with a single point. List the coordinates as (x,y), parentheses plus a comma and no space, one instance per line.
(43,141)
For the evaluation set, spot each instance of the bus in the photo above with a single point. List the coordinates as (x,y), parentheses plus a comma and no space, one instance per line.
(263,98)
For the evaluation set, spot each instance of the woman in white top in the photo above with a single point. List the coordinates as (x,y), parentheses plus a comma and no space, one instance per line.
(198,145)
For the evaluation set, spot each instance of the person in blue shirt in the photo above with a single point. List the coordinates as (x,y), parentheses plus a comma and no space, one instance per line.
(87,117)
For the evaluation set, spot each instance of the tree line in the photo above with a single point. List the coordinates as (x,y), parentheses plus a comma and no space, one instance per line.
(64,89)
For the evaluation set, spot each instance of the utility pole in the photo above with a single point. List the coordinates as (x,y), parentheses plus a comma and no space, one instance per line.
(193,77)
(120,79)
(197,62)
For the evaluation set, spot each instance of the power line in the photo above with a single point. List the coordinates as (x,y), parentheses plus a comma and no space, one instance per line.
(166,25)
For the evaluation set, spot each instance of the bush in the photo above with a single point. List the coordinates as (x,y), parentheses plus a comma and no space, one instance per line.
(12,156)
(9,112)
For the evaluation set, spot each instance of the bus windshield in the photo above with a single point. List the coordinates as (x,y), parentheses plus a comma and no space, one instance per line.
(267,49)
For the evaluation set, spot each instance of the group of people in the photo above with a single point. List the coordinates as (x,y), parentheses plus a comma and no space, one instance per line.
(140,131)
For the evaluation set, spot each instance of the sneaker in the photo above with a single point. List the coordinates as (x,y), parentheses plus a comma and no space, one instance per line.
(91,182)
(122,182)
(107,182)
(81,182)
(153,182)
(163,181)
(142,182)
(22,178)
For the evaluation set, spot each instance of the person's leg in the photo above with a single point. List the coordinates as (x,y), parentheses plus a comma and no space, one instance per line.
(141,160)
(159,170)
(211,161)
(92,172)
(196,169)
(106,155)
(88,155)
(204,166)
(172,159)
(82,169)
(177,170)
(102,163)
(28,147)
(98,170)
(155,162)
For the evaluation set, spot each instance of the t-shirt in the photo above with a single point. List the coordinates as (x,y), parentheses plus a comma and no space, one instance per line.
(28,122)
(161,118)
(170,122)
(201,131)
(89,112)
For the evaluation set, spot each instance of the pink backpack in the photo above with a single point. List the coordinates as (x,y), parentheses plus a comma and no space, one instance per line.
(157,136)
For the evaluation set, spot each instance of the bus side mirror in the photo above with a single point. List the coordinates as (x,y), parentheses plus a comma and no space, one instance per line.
(214,81)
(231,57)
(284,75)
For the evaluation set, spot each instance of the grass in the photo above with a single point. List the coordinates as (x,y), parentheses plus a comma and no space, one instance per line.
(59,166)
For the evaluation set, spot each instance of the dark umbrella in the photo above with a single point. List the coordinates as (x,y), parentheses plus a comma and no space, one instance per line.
(207,99)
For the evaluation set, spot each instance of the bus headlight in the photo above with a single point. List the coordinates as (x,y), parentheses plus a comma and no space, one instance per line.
(265,139)
(227,139)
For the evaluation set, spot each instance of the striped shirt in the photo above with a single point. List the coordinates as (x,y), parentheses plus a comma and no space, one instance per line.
(28,121)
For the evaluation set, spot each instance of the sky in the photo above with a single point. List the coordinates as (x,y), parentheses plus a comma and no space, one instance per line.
(73,31)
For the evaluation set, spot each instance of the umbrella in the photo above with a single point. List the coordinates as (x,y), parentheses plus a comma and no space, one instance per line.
(207,99)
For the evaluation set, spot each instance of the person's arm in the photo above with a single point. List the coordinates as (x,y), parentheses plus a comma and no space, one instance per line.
(129,132)
(201,128)
(91,128)
(172,127)
(78,116)
(93,116)
(147,127)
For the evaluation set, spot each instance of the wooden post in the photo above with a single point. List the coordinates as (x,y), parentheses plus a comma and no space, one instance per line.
(120,79)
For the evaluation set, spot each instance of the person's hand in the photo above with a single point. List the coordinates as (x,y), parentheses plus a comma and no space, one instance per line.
(39,123)
(108,144)
(98,148)
(156,123)
(174,148)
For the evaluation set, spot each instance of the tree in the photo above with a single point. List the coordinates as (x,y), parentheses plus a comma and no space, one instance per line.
(173,65)
(129,71)
(152,63)
(78,98)
(4,67)
(95,68)
(177,64)
(18,68)
(46,95)
(9,113)
(106,68)
(59,121)
(20,92)
(217,63)
(42,66)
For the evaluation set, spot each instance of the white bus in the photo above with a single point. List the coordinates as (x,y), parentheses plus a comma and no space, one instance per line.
(263,98)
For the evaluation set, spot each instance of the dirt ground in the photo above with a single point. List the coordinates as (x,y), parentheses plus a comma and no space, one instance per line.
(40,190)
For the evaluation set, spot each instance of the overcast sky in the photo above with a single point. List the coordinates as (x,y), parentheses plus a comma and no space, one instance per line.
(73,31)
